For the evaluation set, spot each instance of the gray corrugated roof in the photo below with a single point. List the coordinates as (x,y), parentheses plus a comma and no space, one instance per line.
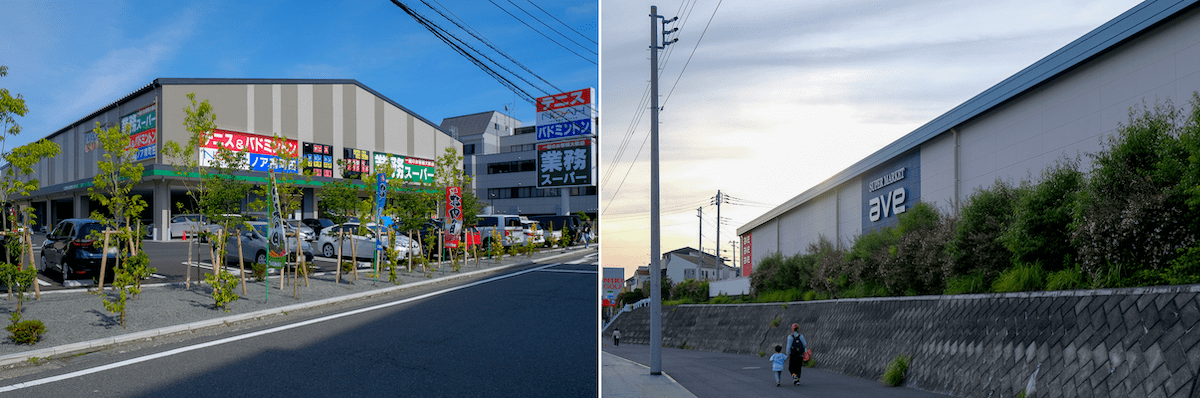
(203,81)
(1139,19)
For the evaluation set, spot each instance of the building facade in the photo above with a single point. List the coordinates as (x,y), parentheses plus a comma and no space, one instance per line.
(1060,107)
(324,120)
(501,156)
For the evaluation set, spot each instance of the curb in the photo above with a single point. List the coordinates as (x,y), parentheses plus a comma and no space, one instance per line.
(96,345)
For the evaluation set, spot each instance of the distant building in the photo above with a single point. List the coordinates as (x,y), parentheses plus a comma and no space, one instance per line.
(688,263)
(501,156)
(639,279)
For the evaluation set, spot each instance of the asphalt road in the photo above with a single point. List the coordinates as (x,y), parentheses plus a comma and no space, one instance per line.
(530,332)
(721,375)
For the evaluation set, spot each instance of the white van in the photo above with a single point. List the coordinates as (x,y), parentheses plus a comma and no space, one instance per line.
(507,227)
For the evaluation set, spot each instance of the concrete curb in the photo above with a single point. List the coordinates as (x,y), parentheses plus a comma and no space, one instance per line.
(96,345)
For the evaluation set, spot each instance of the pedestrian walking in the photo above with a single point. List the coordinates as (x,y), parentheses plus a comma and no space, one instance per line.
(795,348)
(777,363)
(616,337)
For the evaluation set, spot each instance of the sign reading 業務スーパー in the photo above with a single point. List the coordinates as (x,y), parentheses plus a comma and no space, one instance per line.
(565,164)
(260,150)
(142,127)
(614,279)
(406,168)
(565,115)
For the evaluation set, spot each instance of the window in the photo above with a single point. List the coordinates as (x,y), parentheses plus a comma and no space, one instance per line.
(689,274)
(469,149)
(512,167)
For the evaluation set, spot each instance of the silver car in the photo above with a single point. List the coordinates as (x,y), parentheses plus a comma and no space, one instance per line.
(364,240)
(305,231)
(254,245)
(190,224)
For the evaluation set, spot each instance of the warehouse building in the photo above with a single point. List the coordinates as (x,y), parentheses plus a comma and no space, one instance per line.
(324,120)
(1059,107)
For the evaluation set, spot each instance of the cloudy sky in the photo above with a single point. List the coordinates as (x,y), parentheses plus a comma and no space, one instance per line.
(781,95)
(70,58)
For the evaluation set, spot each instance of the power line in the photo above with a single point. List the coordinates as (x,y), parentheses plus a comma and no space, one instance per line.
(563,24)
(539,32)
(552,29)
(689,60)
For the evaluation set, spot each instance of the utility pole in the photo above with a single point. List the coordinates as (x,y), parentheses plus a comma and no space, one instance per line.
(655,222)
(700,247)
(717,201)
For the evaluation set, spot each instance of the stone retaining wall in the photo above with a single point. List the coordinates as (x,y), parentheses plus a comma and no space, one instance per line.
(1090,343)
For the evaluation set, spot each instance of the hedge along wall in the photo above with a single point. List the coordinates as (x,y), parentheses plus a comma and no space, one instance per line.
(1139,342)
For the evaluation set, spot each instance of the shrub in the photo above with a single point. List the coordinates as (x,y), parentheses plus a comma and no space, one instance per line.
(1040,229)
(896,370)
(775,322)
(966,284)
(1067,279)
(222,284)
(918,262)
(975,247)
(25,332)
(781,296)
(692,290)
(1021,278)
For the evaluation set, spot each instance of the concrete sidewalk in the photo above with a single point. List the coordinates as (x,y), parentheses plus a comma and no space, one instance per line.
(712,374)
(77,322)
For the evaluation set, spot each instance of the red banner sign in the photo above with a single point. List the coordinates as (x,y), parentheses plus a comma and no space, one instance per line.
(564,100)
(252,143)
(747,258)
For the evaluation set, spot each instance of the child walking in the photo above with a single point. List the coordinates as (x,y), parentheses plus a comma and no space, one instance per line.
(777,363)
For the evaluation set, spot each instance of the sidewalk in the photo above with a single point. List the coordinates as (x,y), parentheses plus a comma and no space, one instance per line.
(77,322)
(712,374)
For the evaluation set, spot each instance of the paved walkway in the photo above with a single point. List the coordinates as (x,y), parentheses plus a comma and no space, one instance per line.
(77,322)
(691,373)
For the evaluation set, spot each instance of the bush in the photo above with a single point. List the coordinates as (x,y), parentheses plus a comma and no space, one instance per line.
(1067,279)
(692,290)
(1040,229)
(25,332)
(975,248)
(918,262)
(966,284)
(780,296)
(1021,278)
(896,370)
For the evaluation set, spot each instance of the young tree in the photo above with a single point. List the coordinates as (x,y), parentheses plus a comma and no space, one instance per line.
(200,121)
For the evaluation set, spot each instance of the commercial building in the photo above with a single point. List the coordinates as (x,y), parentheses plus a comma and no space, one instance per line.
(1059,107)
(501,156)
(324,120)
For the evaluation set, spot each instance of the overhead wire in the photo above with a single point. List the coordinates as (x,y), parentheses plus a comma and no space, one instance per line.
(561,22)
(474,33)
(552,29)
(540,33)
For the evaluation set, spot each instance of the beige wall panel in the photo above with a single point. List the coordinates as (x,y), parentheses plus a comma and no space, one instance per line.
(303,112)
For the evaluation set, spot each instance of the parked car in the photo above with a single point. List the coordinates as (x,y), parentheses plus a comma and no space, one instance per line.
(317,224)
(190,224)
(305,231)
(71,250)
(364,239)
(255,245)
(530,230)
(555,224)
(507,227)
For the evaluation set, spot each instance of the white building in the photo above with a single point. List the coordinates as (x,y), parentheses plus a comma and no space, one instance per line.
(688,263)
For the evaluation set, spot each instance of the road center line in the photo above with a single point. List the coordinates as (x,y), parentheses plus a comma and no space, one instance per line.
(181,350)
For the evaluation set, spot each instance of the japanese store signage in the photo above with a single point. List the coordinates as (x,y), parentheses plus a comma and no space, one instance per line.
(358,162)
(320,159)
(565,115)
(614,279)
(143,133)
(565,164)
(747,255)
(260,150)
(454,215)
(407,168)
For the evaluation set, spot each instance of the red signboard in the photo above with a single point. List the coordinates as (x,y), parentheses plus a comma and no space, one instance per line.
(144,138)
(252,143)
(747,258)
(564,100)
(454,214)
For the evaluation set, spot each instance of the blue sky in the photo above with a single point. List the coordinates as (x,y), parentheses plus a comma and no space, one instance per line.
(70,58)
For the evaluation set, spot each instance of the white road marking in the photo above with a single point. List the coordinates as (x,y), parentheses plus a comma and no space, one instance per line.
(157,276)
(569,271)
(44,283)
(181,350)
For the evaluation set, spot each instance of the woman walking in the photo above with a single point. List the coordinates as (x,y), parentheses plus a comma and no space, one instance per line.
(795,348)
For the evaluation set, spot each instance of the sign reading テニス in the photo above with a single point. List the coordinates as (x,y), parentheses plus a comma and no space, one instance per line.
(565,164)
(565,115)
(260,150)
(142,127)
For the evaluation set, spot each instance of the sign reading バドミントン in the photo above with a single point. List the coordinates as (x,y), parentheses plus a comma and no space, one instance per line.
(565,164)
(565,115)
(143,132)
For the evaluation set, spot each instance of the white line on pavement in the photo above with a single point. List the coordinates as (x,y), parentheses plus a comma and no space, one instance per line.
(569,271)
(181,350)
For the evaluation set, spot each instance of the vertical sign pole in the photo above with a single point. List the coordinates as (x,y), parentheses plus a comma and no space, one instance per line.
(717,266)
(655,223)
